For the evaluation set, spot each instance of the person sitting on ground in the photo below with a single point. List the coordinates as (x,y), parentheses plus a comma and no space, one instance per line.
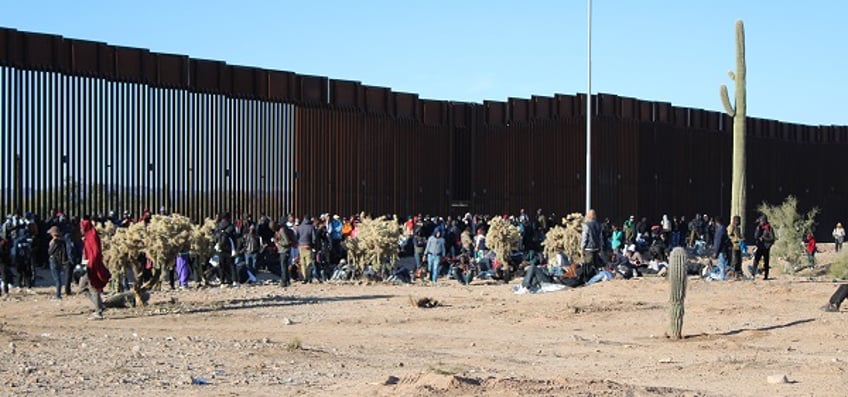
(659,249)
(633,255)
(464,271)
(534,276)
(623,267)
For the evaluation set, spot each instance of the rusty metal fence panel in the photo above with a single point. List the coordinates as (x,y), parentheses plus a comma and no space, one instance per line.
(88,145)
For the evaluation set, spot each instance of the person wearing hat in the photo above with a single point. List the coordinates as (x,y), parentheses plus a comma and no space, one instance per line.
(764,239)
(58,258)
(838,236)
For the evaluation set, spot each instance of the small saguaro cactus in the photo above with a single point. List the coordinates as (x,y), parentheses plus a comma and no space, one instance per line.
(738,110)
(677,283)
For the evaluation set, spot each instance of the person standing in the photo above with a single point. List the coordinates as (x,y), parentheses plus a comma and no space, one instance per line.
(284,239)
(225,233)
(721,245)
(630,230)
(251,244)
(617,239)
(764,239)
(335,231)
(97,274)
(57,256)
(591,242)
(838,236)
(435,252)
(306,236)
(735,237)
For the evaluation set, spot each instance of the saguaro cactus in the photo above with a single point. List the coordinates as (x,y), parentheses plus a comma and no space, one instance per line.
(677,282)
(738,112)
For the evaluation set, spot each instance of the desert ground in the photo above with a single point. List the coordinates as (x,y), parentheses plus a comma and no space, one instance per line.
(360,339)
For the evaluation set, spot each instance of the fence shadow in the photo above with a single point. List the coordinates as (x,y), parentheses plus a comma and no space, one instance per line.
(278,300)
(767,328)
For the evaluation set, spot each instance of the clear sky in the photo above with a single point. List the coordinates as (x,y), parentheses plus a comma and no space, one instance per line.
(675,51)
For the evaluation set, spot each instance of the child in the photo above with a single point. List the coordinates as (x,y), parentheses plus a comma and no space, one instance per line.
(810,247)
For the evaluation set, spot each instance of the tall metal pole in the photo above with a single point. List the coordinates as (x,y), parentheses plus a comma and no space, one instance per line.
(588,105)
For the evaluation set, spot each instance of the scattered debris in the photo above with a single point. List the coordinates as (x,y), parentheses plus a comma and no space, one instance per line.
(425,303)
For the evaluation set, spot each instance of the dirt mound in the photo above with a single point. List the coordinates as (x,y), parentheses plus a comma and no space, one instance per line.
(448,385)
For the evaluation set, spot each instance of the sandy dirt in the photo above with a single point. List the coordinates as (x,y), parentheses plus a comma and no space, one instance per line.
(484,340)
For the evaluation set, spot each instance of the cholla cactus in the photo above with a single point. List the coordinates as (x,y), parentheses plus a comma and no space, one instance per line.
(124,246)
(573,232)
(355,252)
(378,239)
(167,237)
(555,242)
(105,232)
(162,239)
(502,238)
(202,243)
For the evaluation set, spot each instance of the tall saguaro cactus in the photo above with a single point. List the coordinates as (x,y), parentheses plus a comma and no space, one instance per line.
(738,111)
(677,288)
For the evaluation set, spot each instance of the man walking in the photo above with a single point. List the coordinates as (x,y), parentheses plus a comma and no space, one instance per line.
(435,252)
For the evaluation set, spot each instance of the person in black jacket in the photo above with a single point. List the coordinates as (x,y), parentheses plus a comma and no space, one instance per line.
(225,236)
(764,239)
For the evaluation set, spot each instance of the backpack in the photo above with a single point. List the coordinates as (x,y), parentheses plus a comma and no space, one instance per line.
(286,238)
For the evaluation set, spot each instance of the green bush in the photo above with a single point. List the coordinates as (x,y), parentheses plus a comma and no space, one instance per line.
(839,267)
(790,227)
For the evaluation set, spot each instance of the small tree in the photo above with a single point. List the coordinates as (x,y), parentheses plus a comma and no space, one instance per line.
(790,227)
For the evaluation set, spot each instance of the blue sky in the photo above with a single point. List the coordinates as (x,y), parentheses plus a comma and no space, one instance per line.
(663,50)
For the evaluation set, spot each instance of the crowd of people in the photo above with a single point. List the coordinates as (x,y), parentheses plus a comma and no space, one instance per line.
(312,249)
